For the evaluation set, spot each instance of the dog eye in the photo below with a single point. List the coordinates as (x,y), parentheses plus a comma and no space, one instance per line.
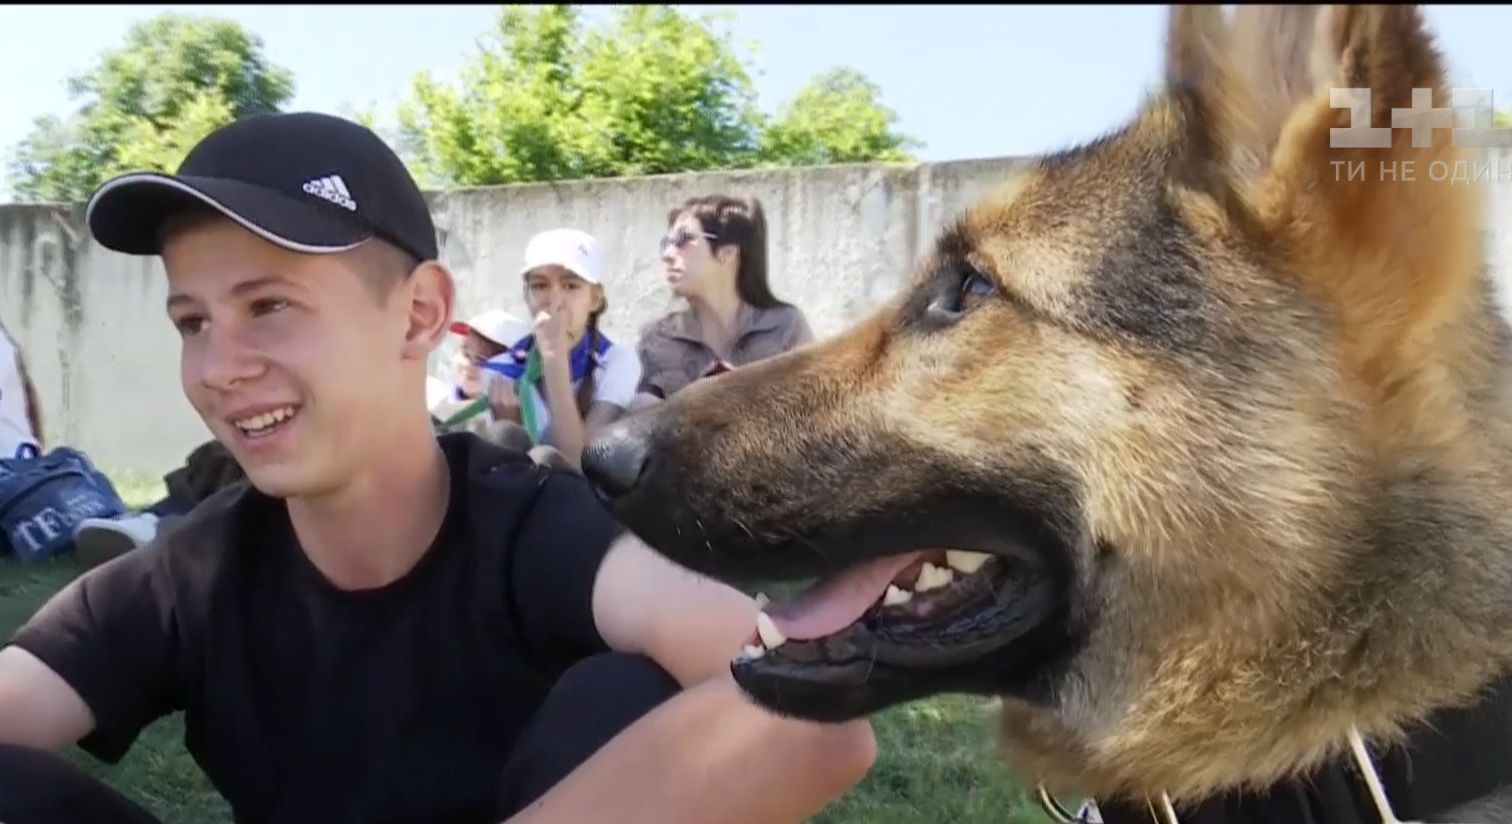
(972,288)
(975,287)
(952,294)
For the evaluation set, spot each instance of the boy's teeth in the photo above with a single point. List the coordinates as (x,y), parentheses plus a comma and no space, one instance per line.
(770,635)
(967,562)
(933,577)
(895,596)
(265,420)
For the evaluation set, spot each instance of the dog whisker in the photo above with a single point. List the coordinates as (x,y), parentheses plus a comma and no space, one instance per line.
(709,545)
(745,529)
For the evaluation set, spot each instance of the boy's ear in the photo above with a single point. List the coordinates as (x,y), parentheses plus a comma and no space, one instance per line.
(431,296)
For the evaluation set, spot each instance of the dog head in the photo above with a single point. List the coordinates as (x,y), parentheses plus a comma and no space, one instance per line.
(1187,442)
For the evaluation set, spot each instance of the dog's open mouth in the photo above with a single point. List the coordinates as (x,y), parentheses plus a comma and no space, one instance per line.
(901,618)
(947,585)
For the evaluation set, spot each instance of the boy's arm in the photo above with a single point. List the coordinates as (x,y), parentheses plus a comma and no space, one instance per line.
(710,754)
(97,662)
(706,754)
(691,625)
(38,709)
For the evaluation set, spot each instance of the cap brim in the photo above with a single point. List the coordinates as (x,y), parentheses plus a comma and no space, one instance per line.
(525,270)
(461,328)
(127,212)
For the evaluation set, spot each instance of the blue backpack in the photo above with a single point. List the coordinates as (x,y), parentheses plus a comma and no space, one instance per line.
(43,497)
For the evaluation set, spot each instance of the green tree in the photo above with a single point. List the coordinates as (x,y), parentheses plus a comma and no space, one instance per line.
(1502,119)
(664,93)
(654,91)
(515,116)
(145,104)
(837,118)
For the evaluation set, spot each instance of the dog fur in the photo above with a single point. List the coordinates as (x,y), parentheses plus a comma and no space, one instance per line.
(1266,407)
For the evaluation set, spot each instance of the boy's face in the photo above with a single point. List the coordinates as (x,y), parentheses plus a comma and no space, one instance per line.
(292,360)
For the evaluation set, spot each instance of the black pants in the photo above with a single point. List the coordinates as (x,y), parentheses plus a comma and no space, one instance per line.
(590,704)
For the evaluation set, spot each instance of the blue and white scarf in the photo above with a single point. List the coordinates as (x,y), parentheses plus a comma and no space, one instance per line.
(521,363)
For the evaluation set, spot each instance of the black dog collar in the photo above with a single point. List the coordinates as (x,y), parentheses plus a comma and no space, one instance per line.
(1456,757)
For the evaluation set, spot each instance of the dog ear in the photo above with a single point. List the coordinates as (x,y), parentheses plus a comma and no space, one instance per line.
(1233,86)
(1385,223)
(1272,51)
(1385,230)
(1205,98)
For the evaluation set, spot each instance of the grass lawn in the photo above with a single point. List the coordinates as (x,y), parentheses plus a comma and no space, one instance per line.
(935,760)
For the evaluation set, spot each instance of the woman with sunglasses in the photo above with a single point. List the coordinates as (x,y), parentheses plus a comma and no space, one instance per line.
(715,257)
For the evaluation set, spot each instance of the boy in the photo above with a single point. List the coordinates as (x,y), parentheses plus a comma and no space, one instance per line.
(382,625)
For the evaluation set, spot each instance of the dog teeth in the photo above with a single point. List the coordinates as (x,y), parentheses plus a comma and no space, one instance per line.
(967,562)
(751,652)
(771,636)
(895,596)
(933,577)
(762,600)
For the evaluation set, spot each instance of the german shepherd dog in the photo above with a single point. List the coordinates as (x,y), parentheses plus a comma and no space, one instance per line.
(1190,445)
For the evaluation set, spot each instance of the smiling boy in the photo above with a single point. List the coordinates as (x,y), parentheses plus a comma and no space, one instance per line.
(382,625)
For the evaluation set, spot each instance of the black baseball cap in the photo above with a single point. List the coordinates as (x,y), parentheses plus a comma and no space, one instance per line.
(309,182)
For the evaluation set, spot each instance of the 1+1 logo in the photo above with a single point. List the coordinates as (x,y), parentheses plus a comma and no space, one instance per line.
(1470,117)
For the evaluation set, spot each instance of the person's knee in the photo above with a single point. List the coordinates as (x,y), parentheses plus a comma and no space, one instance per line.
(598,698)
(24,765)
(38,786)
(591,702)
(34,770)
(632,683)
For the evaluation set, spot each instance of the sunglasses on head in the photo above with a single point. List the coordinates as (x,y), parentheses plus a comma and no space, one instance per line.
(683,237)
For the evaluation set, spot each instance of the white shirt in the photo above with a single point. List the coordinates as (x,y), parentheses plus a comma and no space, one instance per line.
(15,426)
(614,381)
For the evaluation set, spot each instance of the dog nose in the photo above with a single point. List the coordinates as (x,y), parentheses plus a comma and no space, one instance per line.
(614,461)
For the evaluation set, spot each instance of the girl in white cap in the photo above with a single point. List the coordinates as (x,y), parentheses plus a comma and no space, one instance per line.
(567,378)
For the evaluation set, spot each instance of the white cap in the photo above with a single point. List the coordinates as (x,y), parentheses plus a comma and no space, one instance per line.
(496,325)
(571,249)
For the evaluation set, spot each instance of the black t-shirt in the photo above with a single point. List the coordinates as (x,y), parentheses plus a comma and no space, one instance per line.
(304,702)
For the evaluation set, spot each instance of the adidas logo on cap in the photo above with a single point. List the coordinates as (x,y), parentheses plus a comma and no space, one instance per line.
(333,189)
(250,168)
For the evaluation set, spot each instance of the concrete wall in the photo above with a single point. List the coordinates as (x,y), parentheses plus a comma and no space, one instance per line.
(841,238)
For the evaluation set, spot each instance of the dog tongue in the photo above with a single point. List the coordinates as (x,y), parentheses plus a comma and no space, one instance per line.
(834,604)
